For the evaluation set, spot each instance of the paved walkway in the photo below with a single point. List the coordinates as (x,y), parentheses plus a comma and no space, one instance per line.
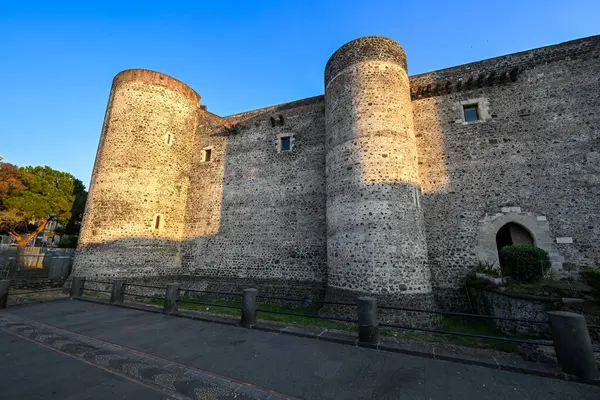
(81,350)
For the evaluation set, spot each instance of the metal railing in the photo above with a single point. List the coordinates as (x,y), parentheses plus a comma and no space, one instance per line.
(460,314)
(208,303)
(325,317)
(474,335)
(36,292)
(204,303)
(210,292)
(16,289)
(126,285)
(366,312)
(52,263)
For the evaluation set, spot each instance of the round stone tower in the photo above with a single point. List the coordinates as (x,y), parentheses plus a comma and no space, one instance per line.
(135,211)
(375,231)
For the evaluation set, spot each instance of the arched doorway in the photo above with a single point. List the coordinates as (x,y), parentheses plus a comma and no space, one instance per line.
(537,227)
(513,233)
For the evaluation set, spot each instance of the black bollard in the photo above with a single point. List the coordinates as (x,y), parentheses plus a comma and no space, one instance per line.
(117,295)
(572,344)
(368,327)
(171,297)
(249,307)
(77,286)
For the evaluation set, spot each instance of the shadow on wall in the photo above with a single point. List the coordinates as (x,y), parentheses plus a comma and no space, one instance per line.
(525,157)
(252,212)
(376,238)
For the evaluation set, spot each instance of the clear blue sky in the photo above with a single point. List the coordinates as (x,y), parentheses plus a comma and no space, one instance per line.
(57,59)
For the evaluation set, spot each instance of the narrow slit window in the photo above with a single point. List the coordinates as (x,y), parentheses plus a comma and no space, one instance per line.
(286,143)
(157,222)
(207,155)
(169,138)
(471,112)
(417,200)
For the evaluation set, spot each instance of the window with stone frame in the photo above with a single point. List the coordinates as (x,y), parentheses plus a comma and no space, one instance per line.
(206,155)
(285,143)
(471,112)
(159,222)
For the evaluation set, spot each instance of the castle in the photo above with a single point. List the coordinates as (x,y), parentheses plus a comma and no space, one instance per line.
(387,184)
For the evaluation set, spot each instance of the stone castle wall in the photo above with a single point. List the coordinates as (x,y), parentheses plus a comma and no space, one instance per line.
(255,212)
(376,238)
(534,155)
(142,171)
(385,181)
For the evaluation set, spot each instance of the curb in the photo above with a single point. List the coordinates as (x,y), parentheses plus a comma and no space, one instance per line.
(184,381)
(422,350)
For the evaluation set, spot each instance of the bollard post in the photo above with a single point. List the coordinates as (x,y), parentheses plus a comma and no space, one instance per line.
(4,287)
(171,296)
(572,344)
(117,295)
(77,286)
(368,327)
(249,307)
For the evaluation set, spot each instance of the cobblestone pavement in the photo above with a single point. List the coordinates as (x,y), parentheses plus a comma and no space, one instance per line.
(165,377)
(85,350)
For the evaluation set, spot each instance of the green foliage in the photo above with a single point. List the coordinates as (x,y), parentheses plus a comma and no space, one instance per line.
(67,242)
(475,281)
(534,289)
(291,319)
(74,224)
(591,276)
(453,324)
(38,194)
(487,268)
(524,263)
(49,193)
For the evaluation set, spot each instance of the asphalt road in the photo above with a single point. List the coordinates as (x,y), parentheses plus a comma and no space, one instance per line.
(80,350)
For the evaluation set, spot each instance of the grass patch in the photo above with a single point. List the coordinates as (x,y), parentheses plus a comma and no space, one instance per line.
(453,324)
(535,289)
(289,319)
(15,296)
(464,325)
(98,295)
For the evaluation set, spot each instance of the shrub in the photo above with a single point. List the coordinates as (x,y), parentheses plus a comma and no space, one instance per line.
(487,268)
(67,242)
(592,278)
(526,264)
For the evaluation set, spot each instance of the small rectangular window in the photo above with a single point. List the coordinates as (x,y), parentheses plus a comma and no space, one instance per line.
(286,143)
(471,112)
(207,155)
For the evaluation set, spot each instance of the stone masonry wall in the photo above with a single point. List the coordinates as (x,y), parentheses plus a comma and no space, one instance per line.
(536,150)
(376,239)
(141,171)
(255,212)
(405,183)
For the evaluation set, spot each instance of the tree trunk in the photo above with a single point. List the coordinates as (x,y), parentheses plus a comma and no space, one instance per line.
(22,241)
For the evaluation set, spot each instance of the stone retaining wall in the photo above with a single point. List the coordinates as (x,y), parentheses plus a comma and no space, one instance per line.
(489,302)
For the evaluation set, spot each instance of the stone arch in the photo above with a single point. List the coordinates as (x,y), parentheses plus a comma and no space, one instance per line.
(535,225)
(513,233)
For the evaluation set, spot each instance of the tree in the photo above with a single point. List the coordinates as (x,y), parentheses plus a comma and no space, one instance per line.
(70,232)
(34,196)
(10,179)
(74,224)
